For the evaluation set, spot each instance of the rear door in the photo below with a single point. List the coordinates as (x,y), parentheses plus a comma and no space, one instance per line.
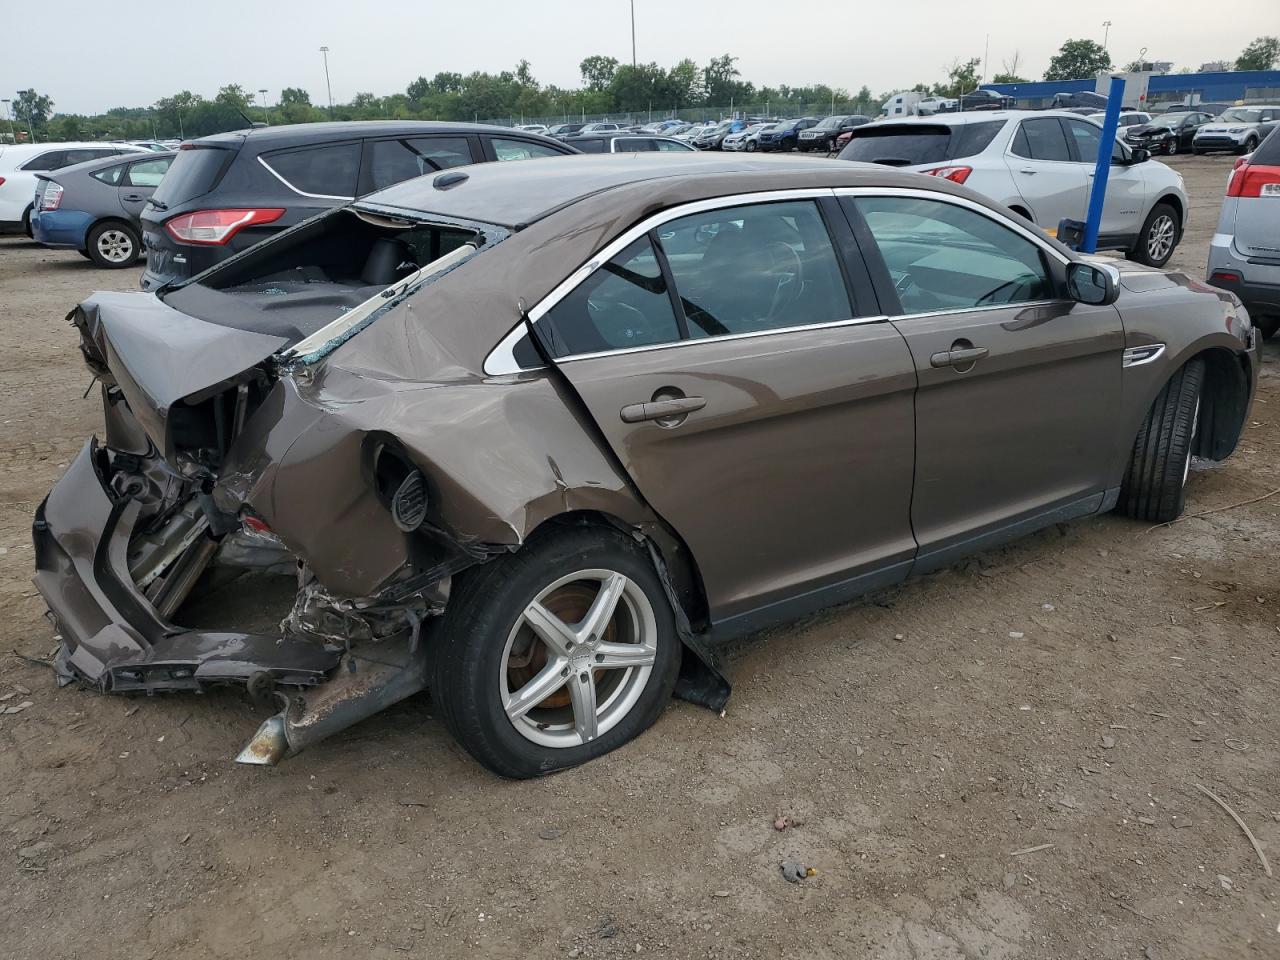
(1257,219)
(391,160)
(1051,183)
(1124,205)
(139,182)
(1018,387)
(752,393)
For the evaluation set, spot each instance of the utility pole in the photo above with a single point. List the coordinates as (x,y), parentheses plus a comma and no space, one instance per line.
(327,87)
(633,33)
(265,113)
(1106,32)
(8,112)
(986,52)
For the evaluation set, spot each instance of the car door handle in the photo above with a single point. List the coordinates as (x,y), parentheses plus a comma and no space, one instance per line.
(1028,171)
(137,198)
(965,357)
(661,409)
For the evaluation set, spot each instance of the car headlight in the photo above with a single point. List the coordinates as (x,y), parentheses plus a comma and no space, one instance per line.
(1236,130)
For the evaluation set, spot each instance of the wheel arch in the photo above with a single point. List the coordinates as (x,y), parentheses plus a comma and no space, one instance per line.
(701,681)
(1173,200)
(1224,402)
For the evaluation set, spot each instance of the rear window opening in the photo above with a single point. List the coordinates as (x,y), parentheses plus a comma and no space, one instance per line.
(908,145)
(194,172)
(341,266)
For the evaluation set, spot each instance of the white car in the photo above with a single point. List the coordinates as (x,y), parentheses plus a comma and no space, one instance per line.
(1128,118)
(745,139)
(19,164)
(1239,129)
(533,128)
(1041,165)
(936,104)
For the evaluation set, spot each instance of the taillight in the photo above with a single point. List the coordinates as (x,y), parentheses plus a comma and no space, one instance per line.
(1226,276)
(954,174)
(1254,180)
(1,181)
(52,197)
(216,227)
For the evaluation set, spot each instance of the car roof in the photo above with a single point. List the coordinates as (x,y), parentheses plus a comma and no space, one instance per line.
(980,116)
(101,163)
(514,195)
(301,134)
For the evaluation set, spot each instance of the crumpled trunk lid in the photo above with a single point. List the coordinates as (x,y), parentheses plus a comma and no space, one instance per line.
(159,356)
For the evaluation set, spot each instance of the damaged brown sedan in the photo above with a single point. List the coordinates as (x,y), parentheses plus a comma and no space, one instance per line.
(537,436)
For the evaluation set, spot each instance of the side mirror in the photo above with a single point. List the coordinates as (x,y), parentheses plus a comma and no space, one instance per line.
(1092,284)
(1139,155)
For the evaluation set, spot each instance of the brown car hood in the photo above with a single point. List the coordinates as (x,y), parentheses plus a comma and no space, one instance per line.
(158,356)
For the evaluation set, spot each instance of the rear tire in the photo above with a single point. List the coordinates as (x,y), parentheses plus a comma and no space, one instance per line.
(487,652)
(1159,237)
(1154,486)
(26,224)
(114,245)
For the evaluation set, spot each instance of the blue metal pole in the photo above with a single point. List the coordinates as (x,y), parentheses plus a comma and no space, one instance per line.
(1110,123)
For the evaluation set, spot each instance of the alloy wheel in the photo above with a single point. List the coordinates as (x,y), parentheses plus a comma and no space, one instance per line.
(115,246)
(578,659)
(1160,237)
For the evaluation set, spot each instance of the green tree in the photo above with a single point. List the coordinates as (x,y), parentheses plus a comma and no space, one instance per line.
(962,77)
(720,81)
(1262,54)
(684,85)
(597,72)
(1008,78)
(32,108)
(1078,60)
(295,95)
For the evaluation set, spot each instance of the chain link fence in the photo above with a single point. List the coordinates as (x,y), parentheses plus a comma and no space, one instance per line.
(762,110)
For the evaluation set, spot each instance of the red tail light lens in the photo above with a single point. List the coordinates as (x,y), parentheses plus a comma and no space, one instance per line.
(1,181)
(51,198)
(954,174)
(1254,180)
(1226,276)
(216,227)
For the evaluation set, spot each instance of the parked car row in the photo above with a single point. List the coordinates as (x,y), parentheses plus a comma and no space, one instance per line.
(20,163)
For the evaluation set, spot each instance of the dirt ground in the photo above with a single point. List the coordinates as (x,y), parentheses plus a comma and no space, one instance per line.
(1066,693)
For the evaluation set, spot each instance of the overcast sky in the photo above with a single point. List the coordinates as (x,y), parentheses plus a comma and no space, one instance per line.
(89,56)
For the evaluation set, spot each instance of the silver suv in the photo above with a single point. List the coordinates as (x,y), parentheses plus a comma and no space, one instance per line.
(1240,129)
(1244,254)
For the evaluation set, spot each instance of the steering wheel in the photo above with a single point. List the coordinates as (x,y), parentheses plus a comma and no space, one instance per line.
(623,322)
(787,266)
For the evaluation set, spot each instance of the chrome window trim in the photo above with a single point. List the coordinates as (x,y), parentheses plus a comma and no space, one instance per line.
(1140,356)
(960,311)
(302,193)
(501,359)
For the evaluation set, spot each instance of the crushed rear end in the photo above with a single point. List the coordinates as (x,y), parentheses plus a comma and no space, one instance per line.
(225,446)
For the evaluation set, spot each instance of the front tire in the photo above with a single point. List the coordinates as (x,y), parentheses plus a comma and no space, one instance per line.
(1159,237)
(1172,148)
(1250,145)
(114,245)
(1154,486)
(556,654)
(751,146)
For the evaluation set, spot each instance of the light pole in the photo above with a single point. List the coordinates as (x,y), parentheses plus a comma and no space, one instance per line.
(30,127)
(1106,32)
(9,113)
(633,33)
(328,89)
(266,115)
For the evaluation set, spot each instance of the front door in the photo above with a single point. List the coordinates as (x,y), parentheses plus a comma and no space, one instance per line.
(1018,388)
(1122,208)
(761,410)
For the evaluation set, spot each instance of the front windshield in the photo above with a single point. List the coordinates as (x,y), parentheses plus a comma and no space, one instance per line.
(786,124)
(1241,115)
(1169,120)
(829,123)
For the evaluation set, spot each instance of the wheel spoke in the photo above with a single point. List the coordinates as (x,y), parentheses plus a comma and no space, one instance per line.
(597,619)
(551,630)
(548,680)
(619,656)
(582,693)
